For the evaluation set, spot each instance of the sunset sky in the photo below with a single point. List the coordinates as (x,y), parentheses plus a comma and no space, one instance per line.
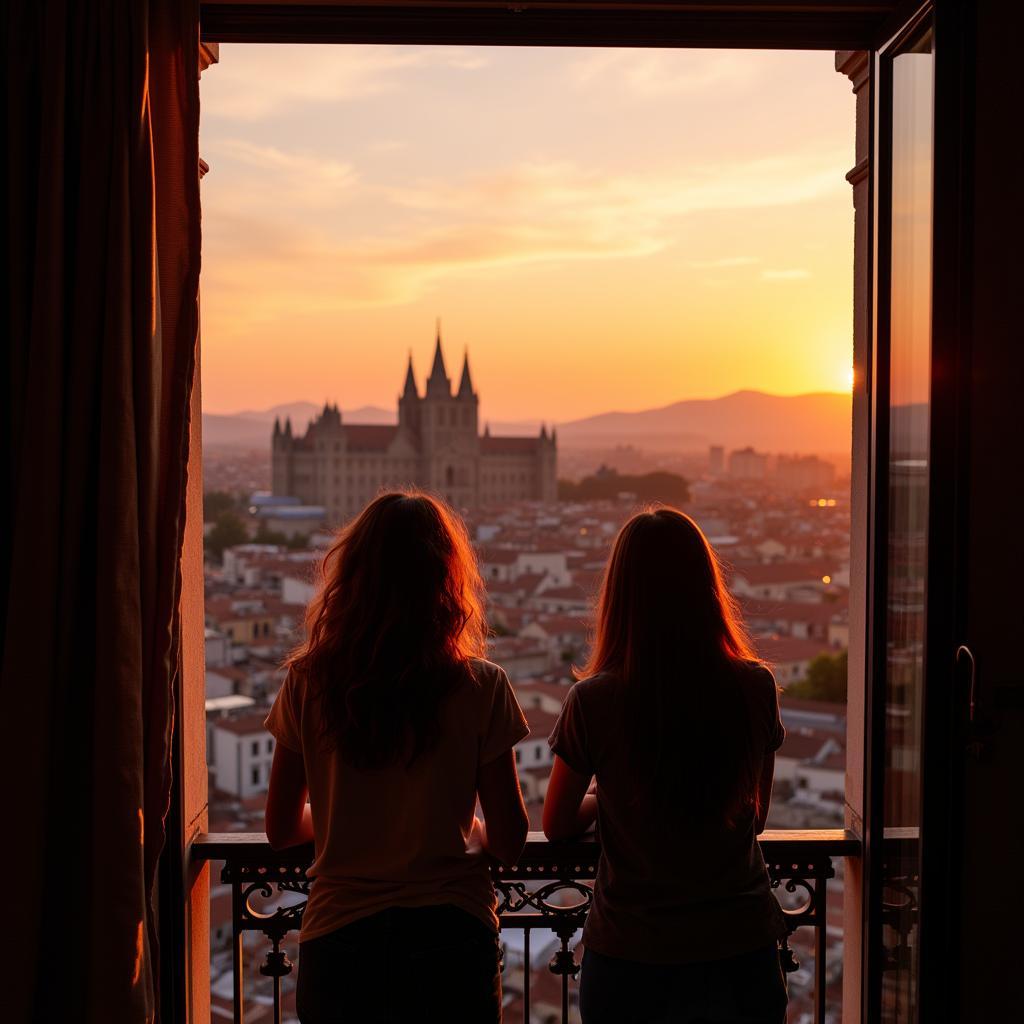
(605,229)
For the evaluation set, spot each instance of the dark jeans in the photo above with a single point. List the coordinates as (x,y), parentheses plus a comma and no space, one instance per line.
(746,989)
(402,964)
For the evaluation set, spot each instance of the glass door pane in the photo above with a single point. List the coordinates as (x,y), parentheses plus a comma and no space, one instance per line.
(911,79)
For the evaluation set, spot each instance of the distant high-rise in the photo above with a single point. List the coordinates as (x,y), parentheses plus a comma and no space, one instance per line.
(804,472)
(436,445)
(716,460)
(746,464)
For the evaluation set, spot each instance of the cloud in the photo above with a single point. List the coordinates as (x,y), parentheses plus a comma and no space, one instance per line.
(624,204)
(262,275)
(246,86)
(309,176)
(649,74)
(282,241)
(723,263)
(798,274)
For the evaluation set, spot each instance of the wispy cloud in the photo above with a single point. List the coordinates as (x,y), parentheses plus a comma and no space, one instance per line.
(319,75)
(796,274)
(293,178)
(724,263)
(649,74)
(391,244)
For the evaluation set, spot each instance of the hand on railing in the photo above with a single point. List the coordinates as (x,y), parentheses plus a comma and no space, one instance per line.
(475,843)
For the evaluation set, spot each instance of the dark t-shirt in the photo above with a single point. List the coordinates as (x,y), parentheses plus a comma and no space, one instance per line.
(668,890)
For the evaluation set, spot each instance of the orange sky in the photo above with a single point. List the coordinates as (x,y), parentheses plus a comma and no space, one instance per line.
(605,229)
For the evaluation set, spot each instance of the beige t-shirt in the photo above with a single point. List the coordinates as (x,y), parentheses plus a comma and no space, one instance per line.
(395,836)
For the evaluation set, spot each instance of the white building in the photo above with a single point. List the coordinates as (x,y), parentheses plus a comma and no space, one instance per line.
(218,648)
(297,590)
(240,753)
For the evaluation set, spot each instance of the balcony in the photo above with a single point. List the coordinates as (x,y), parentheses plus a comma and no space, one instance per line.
(550,890)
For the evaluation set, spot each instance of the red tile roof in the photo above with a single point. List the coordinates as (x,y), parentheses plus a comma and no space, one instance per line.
(498,556)
(819,612)
(778,649)
(783,572)
(509,445)
(369,437)
(243,725)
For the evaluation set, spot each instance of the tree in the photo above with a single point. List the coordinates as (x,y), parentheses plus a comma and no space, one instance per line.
(606,484)
(826,679)
(264,535)
(228,531)
(217,502)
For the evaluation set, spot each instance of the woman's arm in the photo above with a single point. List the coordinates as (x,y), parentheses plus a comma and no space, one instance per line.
(503,831)
(287,817)
(764,789)
(570,806)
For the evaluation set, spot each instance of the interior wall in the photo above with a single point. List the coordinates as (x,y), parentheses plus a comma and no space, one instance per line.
(990,895)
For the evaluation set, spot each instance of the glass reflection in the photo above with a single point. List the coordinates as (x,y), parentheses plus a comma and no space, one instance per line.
(909,384)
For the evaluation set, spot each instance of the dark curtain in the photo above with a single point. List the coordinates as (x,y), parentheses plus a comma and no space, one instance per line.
(99,307)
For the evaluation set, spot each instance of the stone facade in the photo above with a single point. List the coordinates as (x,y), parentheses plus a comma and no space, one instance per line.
(436,445)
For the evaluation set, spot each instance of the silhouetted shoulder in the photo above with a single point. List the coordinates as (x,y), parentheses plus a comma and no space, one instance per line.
(763,692)
(759,673)
(602,683)
(487,673)
(502,723)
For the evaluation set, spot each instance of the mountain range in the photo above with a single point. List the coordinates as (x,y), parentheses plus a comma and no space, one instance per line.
(818,422)
(811,423)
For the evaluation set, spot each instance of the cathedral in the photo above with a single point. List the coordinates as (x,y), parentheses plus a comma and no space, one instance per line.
(436,445)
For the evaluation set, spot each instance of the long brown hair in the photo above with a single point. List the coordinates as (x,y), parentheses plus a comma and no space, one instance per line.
(392,628)
(669,629)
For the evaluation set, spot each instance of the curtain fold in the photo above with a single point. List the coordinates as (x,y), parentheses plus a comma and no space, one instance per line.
(100,310)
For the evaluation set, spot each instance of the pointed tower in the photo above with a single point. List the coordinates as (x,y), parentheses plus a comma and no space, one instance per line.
(410,381)
(468,414)
(409,401)
(466,383)
(438,384)
(281,457)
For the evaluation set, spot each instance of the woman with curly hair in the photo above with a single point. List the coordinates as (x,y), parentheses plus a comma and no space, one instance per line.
(395,725)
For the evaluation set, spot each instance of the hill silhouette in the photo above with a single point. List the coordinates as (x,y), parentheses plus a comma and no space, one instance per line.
(817,422)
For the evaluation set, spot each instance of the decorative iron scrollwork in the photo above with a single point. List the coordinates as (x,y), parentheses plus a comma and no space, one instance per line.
(551,889)
(514,896)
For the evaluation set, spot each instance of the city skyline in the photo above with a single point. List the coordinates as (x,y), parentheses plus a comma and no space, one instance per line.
(605,229)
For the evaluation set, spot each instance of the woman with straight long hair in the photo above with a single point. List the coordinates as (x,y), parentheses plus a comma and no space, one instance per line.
(668,740)
(394,724)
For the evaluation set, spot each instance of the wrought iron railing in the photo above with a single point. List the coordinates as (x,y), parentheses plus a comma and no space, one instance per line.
(550,888)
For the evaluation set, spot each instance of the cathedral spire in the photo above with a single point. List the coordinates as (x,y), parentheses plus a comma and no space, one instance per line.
(438,382)
(466,384)
(410,380)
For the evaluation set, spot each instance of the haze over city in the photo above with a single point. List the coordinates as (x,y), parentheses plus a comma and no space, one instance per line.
(605,230)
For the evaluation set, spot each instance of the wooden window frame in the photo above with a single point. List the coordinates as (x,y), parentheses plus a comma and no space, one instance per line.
(852,30)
